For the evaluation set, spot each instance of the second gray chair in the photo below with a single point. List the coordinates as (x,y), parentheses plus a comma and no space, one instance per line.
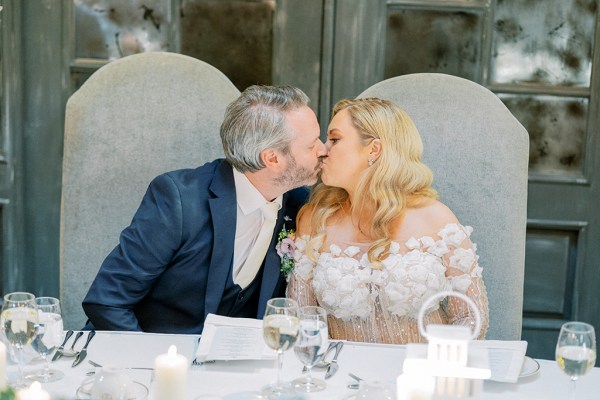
(479,155)
(132,120)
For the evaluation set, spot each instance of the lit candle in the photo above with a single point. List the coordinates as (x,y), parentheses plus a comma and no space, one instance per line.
(34,392)
(170,375)
(2,365)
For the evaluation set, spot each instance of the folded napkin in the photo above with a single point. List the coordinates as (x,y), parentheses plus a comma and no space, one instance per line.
(225,338)
(506,358)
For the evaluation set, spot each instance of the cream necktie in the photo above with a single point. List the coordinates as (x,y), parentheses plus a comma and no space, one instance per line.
(257,254)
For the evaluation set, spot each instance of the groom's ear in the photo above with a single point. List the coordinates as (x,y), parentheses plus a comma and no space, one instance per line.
(270,158)
(376,148)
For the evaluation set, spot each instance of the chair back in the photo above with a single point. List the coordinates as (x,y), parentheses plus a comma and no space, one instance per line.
(479,154)
(131,120)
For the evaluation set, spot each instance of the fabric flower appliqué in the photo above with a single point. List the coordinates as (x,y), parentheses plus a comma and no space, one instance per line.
(286,248)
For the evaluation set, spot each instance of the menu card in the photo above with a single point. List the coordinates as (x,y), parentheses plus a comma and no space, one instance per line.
(226,338)
(506,358)
(502,358)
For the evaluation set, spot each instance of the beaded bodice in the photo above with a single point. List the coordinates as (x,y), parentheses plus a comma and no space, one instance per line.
(381,304)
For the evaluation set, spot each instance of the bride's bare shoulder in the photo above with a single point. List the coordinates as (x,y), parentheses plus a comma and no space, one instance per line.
(433,210)
(426,219)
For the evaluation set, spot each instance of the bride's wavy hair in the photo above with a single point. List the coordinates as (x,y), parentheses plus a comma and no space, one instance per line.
(397,179)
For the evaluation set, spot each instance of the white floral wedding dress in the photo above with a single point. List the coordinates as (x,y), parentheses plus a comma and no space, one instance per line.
(382,305)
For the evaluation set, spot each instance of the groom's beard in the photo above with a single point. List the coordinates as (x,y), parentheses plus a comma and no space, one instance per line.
(295,176)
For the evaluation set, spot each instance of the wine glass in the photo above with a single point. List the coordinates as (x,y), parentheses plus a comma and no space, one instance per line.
(50,332)
(280,331)
(310,346)
(19,320)
(576,350)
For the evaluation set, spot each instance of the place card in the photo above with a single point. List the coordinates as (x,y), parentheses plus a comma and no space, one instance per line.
(226,338)
(506,358)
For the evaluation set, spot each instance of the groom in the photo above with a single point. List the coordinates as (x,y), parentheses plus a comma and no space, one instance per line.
(203,240)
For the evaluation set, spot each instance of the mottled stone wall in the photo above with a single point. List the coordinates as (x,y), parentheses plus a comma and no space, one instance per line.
(111,29)
(234,36)
(532,47)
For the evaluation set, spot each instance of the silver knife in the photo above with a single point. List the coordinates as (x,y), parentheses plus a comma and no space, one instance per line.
(83,353)
(59,351)
(333,365)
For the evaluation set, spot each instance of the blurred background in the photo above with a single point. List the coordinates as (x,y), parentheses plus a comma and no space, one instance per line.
(540,57)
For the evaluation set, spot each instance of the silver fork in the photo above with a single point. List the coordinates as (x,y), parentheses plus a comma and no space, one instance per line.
(71,352)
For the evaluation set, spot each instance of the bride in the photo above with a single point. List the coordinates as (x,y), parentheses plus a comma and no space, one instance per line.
(373,242)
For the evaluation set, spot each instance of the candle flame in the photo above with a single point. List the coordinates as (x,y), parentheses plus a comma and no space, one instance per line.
(35,386)
(172,350)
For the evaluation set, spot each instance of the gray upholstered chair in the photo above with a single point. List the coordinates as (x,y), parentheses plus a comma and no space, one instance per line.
(133,119)
(479,155)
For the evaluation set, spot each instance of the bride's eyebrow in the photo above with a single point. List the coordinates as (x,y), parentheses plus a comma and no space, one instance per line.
(333,131)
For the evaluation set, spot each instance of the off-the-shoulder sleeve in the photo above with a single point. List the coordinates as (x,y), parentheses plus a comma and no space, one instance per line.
(465,276)
(299,285)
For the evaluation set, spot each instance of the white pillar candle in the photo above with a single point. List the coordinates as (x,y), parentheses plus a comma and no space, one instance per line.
(34,392)
(2,366)
(170,376)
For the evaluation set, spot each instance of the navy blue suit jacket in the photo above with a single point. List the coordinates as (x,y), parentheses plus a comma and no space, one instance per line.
(170,267)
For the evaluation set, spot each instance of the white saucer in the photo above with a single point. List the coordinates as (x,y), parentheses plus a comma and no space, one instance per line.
(84,392)
(530,367)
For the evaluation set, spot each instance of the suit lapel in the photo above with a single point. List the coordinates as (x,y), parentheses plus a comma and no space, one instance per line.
(223,209)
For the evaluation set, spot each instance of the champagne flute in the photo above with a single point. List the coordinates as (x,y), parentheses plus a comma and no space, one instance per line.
(311,346)
(576,351)
(19,320)
(280,331)
(50,332)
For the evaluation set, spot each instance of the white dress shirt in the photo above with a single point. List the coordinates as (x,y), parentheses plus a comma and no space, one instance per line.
(249,218)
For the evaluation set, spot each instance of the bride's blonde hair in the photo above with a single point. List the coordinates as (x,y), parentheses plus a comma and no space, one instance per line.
(396,180)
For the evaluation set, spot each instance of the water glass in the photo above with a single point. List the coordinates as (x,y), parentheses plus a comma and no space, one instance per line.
(310,346)
(50,335)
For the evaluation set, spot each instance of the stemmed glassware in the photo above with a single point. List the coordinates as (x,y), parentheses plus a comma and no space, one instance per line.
(280,331)
(19,320)
(311,346)
(576,351)
(50,334)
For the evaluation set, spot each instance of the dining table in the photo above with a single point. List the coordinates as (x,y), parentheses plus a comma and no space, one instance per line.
(243,379)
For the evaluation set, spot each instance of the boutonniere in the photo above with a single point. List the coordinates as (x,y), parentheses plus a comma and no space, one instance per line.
(286,247)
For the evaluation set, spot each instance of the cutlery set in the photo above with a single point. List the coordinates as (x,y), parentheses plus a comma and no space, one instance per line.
(332,366)
(79,355)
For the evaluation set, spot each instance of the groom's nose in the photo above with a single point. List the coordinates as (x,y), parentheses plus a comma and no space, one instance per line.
(322,151)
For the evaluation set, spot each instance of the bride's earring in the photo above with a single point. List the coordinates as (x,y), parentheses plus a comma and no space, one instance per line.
(371,161)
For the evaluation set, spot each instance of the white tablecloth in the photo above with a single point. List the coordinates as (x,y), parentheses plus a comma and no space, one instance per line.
(231,380)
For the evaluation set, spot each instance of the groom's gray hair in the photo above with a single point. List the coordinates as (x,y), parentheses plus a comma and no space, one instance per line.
(256,121)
